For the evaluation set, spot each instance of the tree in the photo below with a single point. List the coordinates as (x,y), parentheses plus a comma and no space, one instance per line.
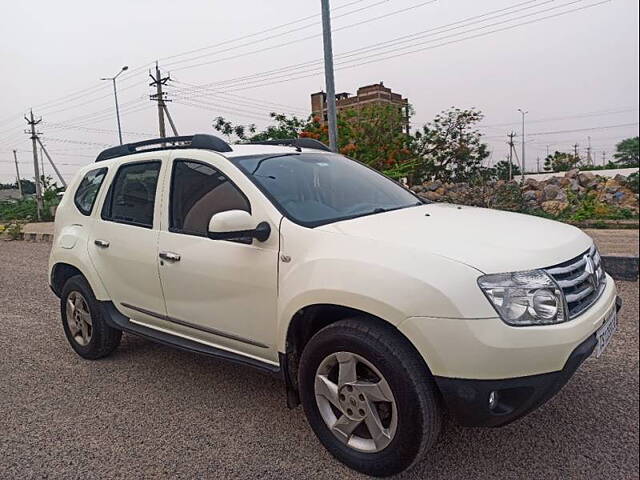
(561,162)
(450,148)
(628,152)
(372,134)
(500,171)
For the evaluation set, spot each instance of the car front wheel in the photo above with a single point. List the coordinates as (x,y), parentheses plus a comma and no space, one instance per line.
(368,396)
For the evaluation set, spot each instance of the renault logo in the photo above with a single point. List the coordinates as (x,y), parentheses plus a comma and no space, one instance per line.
(590,268)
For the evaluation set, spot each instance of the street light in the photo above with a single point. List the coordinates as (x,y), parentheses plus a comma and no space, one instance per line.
(115,96)
(523,142)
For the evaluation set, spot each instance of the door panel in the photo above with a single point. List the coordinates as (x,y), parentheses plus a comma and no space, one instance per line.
(225,289)
(128,267)
(123,243)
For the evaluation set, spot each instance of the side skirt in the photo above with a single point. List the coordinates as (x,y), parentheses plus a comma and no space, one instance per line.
(117,320)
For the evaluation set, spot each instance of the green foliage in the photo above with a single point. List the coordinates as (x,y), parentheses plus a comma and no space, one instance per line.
(26,208)
(500,171)
(508,196)
(628,152)
(561,162)
(12,230)
(633,182)
(450,148)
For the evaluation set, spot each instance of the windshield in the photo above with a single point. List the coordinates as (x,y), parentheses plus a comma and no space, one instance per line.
(316,188)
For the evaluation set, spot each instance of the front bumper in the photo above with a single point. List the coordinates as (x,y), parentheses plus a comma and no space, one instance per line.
(468,400)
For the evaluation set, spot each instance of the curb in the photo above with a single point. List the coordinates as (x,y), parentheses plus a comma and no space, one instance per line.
(620,267)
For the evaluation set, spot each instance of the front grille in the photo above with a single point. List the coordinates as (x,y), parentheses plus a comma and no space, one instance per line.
(581,279)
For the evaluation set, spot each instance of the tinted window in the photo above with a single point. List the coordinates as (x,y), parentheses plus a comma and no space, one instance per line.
(132,194)
(199,191)
(315,189)
(88,190)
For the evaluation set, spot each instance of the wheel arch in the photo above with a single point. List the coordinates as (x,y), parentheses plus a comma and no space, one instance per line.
(63,270)
(310,319)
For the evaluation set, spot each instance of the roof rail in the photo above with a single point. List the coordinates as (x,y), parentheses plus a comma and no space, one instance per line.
(201,141)
(298,143)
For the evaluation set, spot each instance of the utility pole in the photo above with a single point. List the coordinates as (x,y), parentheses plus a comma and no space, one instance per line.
(511,135)
(604,158)
(589,157)
(36,169)
(15,158)
(159,96)
(329,78)
(575,152)
(523,143)
(538,165)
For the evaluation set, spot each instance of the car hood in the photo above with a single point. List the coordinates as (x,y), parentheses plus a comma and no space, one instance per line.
(491,241)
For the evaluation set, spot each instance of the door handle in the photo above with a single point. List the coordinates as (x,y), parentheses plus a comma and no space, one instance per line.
(101,243)
(170,256)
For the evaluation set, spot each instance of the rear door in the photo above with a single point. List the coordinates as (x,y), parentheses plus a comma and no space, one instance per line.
(123,243)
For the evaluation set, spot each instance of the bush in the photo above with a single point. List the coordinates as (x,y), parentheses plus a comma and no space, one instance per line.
(633,182)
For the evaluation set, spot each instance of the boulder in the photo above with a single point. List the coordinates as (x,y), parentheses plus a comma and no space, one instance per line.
(554,207)
(621,180)
(552,192)
(417,188)
(587,179)
(531,184)
(433,196)
(572,173)
(432,186)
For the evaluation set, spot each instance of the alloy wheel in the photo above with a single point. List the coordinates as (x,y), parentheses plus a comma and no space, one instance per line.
(356,402)
(79,318)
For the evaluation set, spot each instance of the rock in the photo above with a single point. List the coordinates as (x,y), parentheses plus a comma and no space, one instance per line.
(612,186)
(531,184)
(587,179)
(572,173)
(564,182)
(433,196)
(417,188)
(575,186)
(621,180)
(554,207)
(432,186)
(551,192)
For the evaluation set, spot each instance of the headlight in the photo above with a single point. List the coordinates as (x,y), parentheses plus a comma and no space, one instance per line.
(524,298)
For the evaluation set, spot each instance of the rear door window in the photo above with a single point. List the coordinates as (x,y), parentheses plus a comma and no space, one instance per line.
(88,190)
(131,198)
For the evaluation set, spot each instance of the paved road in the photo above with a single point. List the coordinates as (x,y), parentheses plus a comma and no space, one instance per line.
(154,412)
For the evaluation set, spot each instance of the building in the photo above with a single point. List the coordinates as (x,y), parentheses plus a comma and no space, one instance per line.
(367,95)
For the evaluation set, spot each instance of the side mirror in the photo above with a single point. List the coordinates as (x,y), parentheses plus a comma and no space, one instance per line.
(237,225)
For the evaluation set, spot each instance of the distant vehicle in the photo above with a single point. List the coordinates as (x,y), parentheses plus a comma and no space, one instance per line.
(379,311)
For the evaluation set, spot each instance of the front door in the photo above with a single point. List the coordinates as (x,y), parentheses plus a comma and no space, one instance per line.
(123,243)
(217,291)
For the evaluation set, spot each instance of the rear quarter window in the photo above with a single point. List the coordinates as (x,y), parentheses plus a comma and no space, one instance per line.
(88,189)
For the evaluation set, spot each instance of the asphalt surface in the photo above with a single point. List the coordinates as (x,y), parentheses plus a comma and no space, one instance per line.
(150,411)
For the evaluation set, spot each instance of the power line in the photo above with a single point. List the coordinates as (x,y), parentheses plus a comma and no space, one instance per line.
(377,58)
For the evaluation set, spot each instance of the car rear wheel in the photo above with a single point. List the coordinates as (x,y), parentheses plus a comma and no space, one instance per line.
(85,329)
(368,396)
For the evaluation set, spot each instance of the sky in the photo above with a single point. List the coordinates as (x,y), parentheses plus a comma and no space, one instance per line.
(571,64)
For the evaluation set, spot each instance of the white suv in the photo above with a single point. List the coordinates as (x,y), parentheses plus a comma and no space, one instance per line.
(379,310)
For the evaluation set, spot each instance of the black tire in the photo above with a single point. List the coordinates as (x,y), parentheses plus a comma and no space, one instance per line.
(104,339)
(418,408)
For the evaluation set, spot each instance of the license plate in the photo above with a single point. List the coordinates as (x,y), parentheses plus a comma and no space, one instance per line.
(605,332)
